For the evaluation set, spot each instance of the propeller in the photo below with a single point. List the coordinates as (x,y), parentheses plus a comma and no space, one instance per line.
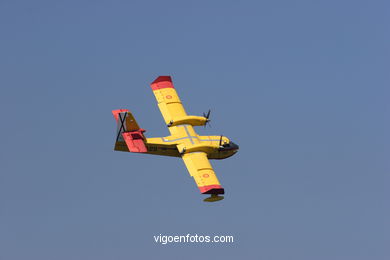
(207,118)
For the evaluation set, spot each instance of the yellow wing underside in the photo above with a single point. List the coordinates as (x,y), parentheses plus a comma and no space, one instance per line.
(170,105)
(201,170)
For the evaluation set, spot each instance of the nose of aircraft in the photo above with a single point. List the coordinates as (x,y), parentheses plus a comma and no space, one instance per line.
(234,146)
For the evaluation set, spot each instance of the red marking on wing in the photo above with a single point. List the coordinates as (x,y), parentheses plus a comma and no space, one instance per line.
(162,82)
(212,189)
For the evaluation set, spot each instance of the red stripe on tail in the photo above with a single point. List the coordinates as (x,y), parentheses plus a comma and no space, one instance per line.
(116,112)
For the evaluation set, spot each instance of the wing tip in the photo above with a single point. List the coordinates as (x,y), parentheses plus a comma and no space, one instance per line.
(162,78)
(162,82)
(212,189)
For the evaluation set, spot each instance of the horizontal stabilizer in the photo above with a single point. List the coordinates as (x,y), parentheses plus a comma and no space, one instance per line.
(135,141)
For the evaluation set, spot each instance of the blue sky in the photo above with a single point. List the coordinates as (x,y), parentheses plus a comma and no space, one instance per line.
(301,86)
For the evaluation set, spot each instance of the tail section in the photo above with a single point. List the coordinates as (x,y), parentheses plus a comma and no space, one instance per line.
(129,136)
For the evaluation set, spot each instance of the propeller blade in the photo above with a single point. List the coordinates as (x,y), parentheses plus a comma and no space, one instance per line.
(220,141)
(207,117)
(208,114)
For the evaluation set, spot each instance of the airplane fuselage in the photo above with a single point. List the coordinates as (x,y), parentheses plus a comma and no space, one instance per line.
(184,139)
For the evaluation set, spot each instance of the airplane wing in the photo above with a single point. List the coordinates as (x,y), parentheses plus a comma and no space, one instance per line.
(200,168)
(168,101)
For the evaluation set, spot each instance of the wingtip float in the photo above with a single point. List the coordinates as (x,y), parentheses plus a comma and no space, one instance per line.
(184,142)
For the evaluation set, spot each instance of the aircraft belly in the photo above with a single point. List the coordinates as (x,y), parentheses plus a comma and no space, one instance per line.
(165,150)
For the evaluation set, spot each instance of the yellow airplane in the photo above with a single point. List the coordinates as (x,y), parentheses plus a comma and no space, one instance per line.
(184,142)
